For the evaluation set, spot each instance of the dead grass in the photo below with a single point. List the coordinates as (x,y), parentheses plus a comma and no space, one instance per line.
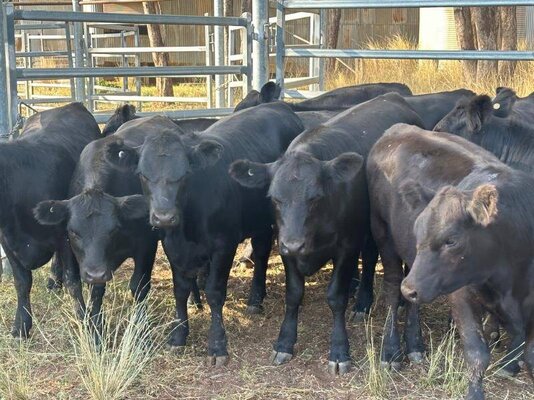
(48,365)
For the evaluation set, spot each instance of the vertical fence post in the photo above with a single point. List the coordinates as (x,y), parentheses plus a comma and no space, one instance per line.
(5,120)
(260,63)
(11,67)
(78,53)
(209,78)
(219,55)
(280,45)
(322,41)
(247,55)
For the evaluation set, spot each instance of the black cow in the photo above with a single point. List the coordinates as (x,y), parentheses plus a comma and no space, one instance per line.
(188,186)
(510,138)
(104,224)
(322,211)
(463,205)
(126,113)
(36,167)
(405,169)
(333,100)
(432,107)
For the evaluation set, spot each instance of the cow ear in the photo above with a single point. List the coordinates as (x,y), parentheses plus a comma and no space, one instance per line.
(503,102)
(483,205)
(344,167)
(128,112)
(478,111)
(51,212)
(121,156)
(205,154)
(133,207)
(250,100)
(415,195)
(251,174)
(270,92)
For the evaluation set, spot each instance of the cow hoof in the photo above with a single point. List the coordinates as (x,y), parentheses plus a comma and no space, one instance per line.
(339,368)
(279,358)
(254,309)
(357,317)
(392,365)
(176,350)
(509,370)
(416,357)
(217,361)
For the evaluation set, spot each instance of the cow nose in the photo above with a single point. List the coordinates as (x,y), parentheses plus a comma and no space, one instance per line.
(292,247)
(95,276)
(408,292)
(164,219)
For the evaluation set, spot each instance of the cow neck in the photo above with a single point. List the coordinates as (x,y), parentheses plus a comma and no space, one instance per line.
(512,143)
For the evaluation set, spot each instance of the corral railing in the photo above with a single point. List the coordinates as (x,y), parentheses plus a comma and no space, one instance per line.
(282,51)
(9,114)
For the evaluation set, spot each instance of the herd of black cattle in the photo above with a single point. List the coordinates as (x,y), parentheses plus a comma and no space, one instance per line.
(356,172)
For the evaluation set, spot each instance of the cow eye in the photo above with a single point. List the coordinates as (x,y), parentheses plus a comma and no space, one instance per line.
(277,202)
(450,242)
(143,178)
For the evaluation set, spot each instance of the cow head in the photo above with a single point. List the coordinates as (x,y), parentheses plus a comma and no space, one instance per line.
(269,92)
(93,221)
(455,245)
(468,117)
(304,193)
(121,115)
(503,102)
(164,163)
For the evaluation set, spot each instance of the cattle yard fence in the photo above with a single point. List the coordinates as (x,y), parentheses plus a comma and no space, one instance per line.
(17,68)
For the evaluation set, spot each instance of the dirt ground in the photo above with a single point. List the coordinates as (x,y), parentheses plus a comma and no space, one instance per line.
(46,360)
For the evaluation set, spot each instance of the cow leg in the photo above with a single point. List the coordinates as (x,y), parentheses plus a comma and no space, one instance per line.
(413,337)
(182,286)
(468,317)
(529,352)
(393,275)
(55,280)
(284,346)
(71,275)
(23,286)
(216,286)
(262,249)
(365,295)
(144,262)
(509,365)
(194,299)
(338,297)
(95,316)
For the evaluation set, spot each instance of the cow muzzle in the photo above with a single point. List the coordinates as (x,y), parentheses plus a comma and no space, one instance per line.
(166,219)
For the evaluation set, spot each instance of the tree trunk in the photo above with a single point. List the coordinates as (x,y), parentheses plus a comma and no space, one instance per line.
(155,37)
(466,38)
(486,23)
(332,35)
(508,39)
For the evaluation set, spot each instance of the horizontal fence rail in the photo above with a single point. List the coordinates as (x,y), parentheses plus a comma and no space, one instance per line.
(72,16)
(283,51)
(317,4)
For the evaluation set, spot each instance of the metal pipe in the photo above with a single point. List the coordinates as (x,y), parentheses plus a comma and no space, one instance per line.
(260,62)
(280,44)
(78,54)
(318,4)
(180,114)
(65,73)
(413,54)
(11,65)
(5,121)
(219,54)
(65,16)
(247,56)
